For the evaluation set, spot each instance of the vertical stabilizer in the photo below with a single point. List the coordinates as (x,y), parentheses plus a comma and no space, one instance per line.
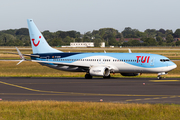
(38,42)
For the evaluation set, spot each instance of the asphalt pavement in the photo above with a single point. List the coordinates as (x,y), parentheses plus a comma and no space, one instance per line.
(121,90)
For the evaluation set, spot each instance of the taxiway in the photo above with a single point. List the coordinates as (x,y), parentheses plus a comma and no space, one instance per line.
(122,90)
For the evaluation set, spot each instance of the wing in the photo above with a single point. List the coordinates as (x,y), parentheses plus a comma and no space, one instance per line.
(64,64)
(75,64)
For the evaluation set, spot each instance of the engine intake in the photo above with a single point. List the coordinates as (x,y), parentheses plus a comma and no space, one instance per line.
(99,71)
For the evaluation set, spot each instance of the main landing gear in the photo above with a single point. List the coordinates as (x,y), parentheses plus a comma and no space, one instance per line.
(88,76)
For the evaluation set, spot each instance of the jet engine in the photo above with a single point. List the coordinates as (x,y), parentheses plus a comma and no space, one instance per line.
(129,74)
(99,71)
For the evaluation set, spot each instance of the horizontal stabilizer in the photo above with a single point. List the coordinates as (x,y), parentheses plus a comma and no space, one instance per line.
(129,50)
(21,56)
(24,54)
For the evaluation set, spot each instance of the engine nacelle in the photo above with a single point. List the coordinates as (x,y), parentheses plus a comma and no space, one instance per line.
(99,71)
(129,74)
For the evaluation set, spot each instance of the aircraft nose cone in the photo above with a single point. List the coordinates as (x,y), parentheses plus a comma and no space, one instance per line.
(173,66)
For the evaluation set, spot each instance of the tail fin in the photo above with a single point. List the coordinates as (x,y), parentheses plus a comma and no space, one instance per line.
(38,42)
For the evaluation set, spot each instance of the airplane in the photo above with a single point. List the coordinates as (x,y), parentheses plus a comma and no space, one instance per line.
(95,64)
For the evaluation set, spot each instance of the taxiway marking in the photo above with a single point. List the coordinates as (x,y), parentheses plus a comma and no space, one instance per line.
(130,100)
(164,80)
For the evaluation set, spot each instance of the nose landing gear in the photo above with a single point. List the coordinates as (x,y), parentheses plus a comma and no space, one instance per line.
(159,75)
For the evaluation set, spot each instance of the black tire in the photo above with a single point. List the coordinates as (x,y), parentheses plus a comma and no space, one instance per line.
(88,76)
(159,77)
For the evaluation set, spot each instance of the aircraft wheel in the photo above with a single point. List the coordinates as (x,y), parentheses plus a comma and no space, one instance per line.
(88,76)
(159,77)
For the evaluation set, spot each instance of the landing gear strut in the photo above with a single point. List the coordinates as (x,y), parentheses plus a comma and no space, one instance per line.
(159,75)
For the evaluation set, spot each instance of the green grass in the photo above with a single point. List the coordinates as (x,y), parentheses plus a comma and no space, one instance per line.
(54,110)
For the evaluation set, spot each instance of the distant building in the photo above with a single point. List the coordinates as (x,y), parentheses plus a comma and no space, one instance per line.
(84,44)
(102,44)
(128,39)
(81,44)
(176,39)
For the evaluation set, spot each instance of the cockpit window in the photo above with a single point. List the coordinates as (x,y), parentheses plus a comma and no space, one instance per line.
(164,60)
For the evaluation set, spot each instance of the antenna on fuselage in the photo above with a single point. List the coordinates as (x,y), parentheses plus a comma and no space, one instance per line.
(129,50)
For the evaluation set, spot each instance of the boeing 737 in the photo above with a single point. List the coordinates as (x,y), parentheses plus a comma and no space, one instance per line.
(95,64)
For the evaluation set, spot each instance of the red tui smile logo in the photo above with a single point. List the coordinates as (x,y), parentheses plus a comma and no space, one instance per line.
(35,43)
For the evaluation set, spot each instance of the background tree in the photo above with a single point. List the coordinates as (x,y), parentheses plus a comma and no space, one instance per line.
(132,43)
(150,42)
(18,42)
(22,31)
(56,42)
(150,32)
(169,38)
(168,32)
(109,35)
(177,33)
(6,38)
(97,42)
(162,31)
(48,35)
(27,43)
(131,33)
(113,42)
(86,38)
(10,31)
(67,40)
(78,40)
(159,40)
(177,43)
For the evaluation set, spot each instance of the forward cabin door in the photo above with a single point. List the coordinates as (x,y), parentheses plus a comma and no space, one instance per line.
(152,61)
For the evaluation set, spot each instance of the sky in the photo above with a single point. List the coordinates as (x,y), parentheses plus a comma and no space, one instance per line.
(89,15)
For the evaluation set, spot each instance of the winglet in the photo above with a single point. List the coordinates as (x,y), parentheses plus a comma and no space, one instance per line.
(21,56)
(129,50)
